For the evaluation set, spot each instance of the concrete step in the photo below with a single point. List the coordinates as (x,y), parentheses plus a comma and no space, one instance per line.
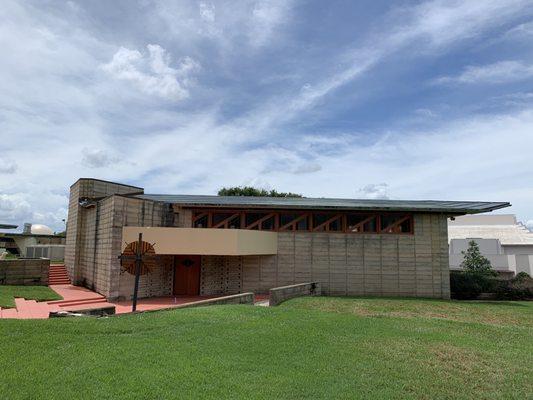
(82,302)
(87,306)
(64,303)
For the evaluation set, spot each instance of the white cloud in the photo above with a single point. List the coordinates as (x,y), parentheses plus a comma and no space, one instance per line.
(152,73)
(522,31)
(529,225)
(14,207)
(207,11)
(373,191)
(55,104)
(266,18)
(307,168)
(97,158)
(425,112)
(428,27)
(7,166)
(499,72)
(229,27)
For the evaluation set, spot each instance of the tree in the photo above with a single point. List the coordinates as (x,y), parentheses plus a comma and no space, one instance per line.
(252,191)
(475,262)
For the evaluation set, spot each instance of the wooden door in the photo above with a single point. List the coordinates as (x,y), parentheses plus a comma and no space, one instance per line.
(187,275)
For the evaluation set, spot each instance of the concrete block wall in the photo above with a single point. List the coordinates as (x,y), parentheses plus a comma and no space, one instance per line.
(346,264)
(280,294)
(94,238)
(159,282)
(221,275)
(343,264)
(137,212)
(78,234)
(24,271)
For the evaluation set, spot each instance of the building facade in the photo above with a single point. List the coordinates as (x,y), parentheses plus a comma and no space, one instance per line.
(213,245)
(505,242)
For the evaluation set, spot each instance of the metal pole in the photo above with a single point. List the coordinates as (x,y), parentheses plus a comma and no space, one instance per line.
(138,261)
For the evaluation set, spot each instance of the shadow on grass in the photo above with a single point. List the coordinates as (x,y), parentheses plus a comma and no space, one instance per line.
(508,303)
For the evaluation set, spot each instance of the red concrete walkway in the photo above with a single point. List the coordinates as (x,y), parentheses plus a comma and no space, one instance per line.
(77,298)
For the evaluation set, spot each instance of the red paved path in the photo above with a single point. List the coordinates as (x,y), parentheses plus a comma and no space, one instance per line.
(80,298)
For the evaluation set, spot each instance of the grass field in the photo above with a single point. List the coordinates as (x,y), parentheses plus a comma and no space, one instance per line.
(39,293)
(306,348)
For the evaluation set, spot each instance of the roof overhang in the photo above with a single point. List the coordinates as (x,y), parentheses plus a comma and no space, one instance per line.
(8,226)
(204,241)
(452,208)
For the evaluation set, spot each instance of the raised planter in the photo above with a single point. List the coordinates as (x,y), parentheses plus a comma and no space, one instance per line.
(24,271)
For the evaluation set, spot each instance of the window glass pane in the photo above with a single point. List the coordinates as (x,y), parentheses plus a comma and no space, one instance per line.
(387,220)
(406,227)
(336,225)
(219,217)
(201,222)
(319,219)
(268,224)
(302,225)
(250,218)
(353,220)
(285,219)
(370,226)
(235,223)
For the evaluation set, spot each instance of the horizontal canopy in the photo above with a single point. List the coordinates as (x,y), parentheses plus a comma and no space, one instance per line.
(448,207)
(202,241)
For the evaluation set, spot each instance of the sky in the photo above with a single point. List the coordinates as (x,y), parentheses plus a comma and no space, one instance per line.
(366,99)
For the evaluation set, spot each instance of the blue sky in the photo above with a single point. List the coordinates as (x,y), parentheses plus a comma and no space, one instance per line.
(368,99)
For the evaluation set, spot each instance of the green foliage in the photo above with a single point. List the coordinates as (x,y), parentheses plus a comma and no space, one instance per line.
(518,288)
(252,191)
(522,277)
(468,285)
(475,262)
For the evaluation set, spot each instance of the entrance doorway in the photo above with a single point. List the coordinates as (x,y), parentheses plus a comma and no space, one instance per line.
(187,275)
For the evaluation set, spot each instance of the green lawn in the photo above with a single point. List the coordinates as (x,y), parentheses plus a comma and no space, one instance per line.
(39,293)
(306,348)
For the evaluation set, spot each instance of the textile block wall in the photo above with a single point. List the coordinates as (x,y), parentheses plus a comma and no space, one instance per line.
(344,264)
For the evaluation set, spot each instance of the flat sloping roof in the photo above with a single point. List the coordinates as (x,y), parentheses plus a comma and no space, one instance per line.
(8,226)
(449,207)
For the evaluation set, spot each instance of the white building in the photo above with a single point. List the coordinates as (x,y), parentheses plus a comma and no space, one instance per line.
(505,242)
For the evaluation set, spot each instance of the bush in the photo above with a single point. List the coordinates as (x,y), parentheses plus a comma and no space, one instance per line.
(518,288)
(469,285)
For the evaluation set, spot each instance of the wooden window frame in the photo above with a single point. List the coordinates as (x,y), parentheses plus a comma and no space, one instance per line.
(332,217)
(396,224)
(291,226)
(260,221)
